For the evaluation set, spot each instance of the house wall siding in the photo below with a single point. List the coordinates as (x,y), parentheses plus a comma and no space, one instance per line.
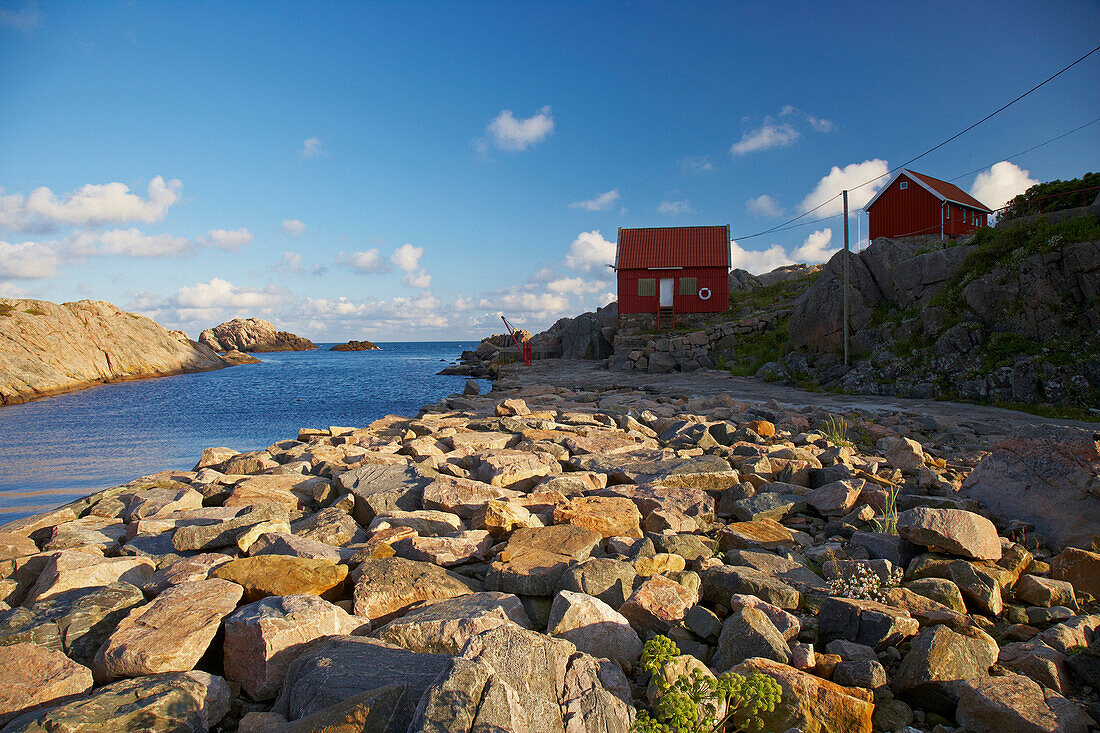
(914,211)
(714,278)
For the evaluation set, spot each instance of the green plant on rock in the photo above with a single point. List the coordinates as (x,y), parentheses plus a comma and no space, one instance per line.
(835,430)
(888,524)
(700,703)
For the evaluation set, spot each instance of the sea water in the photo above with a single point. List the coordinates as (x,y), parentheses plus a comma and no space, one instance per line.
(57,449)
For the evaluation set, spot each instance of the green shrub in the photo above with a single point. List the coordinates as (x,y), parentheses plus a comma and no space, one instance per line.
(1054,195)
(6,309)
(699,703)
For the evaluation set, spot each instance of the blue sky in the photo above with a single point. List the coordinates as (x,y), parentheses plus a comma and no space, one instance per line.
(408,171)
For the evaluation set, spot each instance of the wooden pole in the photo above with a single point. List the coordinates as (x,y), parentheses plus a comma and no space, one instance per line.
(845,278)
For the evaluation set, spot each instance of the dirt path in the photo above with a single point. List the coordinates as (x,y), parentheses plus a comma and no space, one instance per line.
(988,422)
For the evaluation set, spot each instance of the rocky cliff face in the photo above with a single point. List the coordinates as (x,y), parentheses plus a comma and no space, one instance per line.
(46,348)
(252,335)
(1007,318)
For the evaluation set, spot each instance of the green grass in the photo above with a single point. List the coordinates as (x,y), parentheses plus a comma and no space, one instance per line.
(835,429)
(754,350)
(772,295)
(1006,247)
(35,312)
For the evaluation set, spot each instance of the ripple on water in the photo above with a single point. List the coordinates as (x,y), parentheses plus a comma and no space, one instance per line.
(59,448)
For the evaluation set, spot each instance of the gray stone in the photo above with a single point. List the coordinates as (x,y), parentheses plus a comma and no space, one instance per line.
(938,661)
(749,633)
(384,587)
(719,583)
(215,534)
(612,581)
(594,627)
(379,489)
(953,531)
(1016,703)
(444,627)
(864,622)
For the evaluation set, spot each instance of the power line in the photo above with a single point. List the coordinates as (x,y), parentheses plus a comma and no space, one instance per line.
(1033,147)
(783,226)
(991,114)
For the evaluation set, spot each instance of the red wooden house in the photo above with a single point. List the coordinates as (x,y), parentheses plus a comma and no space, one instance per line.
(913,204)
(669,270)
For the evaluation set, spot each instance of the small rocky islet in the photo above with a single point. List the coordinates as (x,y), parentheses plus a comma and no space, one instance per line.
(356,346)
(498,562)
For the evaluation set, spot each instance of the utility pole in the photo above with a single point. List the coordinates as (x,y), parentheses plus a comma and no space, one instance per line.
(845,277)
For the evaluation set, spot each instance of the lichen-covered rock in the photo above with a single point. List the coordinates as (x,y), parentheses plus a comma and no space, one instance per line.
(159,703)
(938,661)
(281,575)
(386,586)
(811,703)
(444,627)
(594,627)
(1016,703)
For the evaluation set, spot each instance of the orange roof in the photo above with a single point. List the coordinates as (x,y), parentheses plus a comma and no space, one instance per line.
(951,192)
(942,190)
(659,247)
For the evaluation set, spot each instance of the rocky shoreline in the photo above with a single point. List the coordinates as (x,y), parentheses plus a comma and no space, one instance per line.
(497,562)
(48,349)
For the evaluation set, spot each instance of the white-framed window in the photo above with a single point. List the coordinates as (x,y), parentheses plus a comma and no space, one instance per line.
(903,185)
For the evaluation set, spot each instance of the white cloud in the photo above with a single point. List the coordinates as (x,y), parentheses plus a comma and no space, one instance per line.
(770,135)
(996,186)
(228,239)
(291,261)
(219,293)
(576,286)
(601,202)
(29,260)
(418,279)
(407,257)
(91,204)
(128,243)
(11,290)
(312,148)
(516,299)
(816,248)
(590,250)
(510,133)
(672,208)
(847,177)
(813,250)
(366,261)
(758,261)
(694,164)
(293,227)
(819,124)
(25,19)
(764,205)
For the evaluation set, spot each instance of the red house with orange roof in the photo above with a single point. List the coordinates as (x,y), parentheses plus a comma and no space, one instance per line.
(670,270)
(914,204)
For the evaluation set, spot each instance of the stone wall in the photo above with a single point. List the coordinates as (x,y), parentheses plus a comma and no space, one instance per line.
(685,352)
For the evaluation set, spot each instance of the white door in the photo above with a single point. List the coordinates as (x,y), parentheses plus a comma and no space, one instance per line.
(666,292)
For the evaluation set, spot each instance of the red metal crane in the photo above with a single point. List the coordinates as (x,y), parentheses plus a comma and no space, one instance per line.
(524,348)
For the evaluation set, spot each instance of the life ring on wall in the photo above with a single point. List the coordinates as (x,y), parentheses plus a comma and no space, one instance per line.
(704,293)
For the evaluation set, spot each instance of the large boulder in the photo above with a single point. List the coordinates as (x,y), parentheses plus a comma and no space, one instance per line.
(937,663)
(817,319)
(384,587)
(444,627)
(263,638)
(160,703)
(594,627)
(35,676)
(170,634)
(1016,703)
(75,622)
(954,531)
(1048,478)
(252,335)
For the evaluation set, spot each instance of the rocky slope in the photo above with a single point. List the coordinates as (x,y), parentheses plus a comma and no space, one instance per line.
(252,335)
(498,562)
(46,348)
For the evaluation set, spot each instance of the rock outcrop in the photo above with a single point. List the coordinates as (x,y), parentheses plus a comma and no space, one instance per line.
(252,335)
(356,346)
(47,348)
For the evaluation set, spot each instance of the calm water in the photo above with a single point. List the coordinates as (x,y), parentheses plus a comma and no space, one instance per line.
(57,449)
